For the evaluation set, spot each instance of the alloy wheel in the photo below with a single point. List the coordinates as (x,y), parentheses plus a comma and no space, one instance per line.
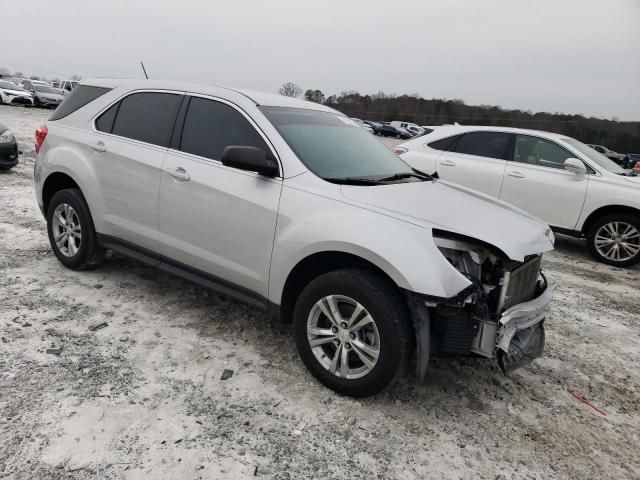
(67,232)
(617,241)
(343,336)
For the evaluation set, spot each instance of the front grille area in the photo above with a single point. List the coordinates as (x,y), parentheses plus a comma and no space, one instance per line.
(522,282)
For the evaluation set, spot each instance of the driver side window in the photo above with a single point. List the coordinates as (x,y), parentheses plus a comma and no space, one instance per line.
(538,151)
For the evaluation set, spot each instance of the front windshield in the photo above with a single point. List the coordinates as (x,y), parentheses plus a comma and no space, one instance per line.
(45,89)
(334,147)
(595,156)
(9,85)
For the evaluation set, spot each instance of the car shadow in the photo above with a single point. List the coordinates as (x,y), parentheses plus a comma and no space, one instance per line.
(576,248)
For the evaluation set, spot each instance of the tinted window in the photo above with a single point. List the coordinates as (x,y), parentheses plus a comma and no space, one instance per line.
(485,144)
(537,151)
(80,97)
(104,122)
(445,143)
(147,117)
(210,127)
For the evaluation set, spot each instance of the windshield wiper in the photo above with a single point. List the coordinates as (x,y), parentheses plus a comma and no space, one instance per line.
(353,181)
(401,176)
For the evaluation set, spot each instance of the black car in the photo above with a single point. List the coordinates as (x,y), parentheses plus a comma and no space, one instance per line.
(8,149)
(387,130)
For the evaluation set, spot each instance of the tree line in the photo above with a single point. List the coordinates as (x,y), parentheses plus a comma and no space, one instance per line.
(623,137)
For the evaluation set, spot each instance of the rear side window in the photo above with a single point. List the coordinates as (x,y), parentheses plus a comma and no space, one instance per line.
(104,122)
(210,127)
(485,144)
(81,96)
(444,143)
(147,117)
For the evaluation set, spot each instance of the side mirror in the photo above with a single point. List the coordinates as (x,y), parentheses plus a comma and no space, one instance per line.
(575,166)
(252,159)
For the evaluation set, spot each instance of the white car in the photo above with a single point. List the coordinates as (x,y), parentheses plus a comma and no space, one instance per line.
(361,124)
(12,94)
(411,127)
(560,180)
(290,206)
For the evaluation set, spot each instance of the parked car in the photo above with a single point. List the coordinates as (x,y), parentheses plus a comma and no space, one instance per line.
(567,184)
(29,85)
(398,132)
(619,158)
(47,97)
(12,94)
(412,127)
(68,85)
(290,207)
(362,124)
(8,149)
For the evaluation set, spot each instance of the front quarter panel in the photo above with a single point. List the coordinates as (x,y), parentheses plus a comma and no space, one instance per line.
(310,223)
(607,190)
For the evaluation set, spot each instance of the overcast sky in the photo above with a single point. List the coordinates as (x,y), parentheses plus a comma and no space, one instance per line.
(573,56)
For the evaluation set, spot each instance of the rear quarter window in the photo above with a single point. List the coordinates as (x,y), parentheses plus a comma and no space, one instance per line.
(81,96)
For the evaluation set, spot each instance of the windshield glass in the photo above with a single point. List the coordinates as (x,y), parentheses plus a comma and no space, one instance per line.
(332,146)
(45,89)
(594,156)
(9,85)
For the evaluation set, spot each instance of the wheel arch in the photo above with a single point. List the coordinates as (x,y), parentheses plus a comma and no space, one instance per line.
(607,210)
(55,182)
(315,265)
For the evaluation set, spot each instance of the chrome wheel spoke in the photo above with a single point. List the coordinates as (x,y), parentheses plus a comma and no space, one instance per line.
(344,362)
(321,341)
(336,359)
(369,350)
(363,356)
(355,315)
(365,321)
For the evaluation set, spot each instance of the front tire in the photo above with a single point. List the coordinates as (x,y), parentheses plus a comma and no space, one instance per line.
(351,331)
(615,239)
(71,231)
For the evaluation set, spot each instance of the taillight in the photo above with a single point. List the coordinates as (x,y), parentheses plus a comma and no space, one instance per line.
(400,150)
(41,134)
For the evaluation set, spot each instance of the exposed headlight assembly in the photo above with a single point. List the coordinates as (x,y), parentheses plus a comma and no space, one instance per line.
(467,257)
(7,137)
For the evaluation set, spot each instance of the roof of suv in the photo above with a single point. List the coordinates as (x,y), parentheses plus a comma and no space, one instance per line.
(449,130)
(260,98)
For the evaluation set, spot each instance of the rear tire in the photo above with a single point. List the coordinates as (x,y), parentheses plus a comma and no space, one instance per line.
(372,347)
(71,231)
(615,239)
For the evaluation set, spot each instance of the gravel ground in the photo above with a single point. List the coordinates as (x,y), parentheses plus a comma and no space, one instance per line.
(142,397)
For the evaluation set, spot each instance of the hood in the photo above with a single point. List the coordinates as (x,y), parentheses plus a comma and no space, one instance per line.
(457,209)
(635,179)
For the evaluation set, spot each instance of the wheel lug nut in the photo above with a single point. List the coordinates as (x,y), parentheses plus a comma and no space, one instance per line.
(343,324)
(334,329)
(347,346)
(352,336)
(337,342)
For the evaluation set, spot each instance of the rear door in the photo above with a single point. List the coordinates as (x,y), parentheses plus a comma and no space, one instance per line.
(213,218)
(536,181)
(130,142)
(477,160)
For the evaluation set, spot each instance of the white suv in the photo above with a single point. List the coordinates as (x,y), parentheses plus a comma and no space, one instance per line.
(560,180)
(291,207)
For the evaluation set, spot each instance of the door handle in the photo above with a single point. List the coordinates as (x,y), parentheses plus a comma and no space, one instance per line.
(516,174)
(179,174)
(98,147)
(448,163)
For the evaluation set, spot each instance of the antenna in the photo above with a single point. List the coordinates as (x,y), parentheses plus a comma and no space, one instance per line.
(145,71)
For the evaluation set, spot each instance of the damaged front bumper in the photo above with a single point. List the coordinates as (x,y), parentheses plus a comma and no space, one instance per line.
(514,339)
(521,337)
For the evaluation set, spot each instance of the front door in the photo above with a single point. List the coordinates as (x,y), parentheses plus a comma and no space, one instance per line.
(536,181)
(213,218)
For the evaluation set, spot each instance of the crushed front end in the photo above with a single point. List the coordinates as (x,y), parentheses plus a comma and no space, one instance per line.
(500,315)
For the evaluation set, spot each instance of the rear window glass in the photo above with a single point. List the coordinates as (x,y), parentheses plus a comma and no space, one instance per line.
(80,97)
(147,117)
(104,122)
(485,144)
(444,143)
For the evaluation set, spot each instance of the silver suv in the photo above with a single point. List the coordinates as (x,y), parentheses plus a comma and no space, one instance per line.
(291,207)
